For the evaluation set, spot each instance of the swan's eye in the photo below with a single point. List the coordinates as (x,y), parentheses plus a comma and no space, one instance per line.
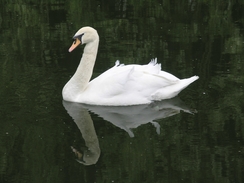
(74,41)
(78,37)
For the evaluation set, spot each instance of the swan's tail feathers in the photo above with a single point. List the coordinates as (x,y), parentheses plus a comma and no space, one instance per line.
(190,80)
(183,84)
(172,90)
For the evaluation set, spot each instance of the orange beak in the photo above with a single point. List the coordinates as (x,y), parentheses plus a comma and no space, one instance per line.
(74,45)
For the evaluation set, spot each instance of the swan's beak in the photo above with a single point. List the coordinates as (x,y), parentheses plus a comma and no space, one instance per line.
(74,45)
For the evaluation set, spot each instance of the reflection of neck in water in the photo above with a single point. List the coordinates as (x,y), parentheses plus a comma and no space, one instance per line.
(84,122)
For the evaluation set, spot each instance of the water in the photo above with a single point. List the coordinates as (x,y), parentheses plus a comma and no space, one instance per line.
(197,137)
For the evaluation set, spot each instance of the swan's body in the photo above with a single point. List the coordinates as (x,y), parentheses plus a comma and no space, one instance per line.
(122,84)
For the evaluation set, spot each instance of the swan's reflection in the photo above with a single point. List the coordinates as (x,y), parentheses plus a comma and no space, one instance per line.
(82,118)
(129,117)
(126,118)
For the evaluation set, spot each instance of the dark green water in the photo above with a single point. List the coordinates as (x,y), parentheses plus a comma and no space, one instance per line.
(41,137)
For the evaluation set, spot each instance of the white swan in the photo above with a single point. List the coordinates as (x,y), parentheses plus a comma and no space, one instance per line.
(121,85)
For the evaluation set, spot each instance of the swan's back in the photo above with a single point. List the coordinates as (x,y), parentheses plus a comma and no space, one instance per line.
(133,85)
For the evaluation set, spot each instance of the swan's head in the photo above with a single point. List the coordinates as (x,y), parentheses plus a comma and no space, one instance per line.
(83,36)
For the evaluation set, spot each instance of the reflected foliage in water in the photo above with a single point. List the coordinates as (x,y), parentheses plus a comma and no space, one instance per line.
(191,37)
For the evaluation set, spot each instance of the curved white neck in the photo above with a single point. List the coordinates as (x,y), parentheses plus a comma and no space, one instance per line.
(83,74)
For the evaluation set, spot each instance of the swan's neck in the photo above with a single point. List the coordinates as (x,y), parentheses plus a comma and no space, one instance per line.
(78,83)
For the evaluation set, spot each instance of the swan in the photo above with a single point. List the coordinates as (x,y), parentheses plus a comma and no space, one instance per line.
(121,85)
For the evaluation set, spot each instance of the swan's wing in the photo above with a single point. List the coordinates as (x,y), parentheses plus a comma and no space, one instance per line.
(131,80)
(154,68)
(132,84)
(111,82)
